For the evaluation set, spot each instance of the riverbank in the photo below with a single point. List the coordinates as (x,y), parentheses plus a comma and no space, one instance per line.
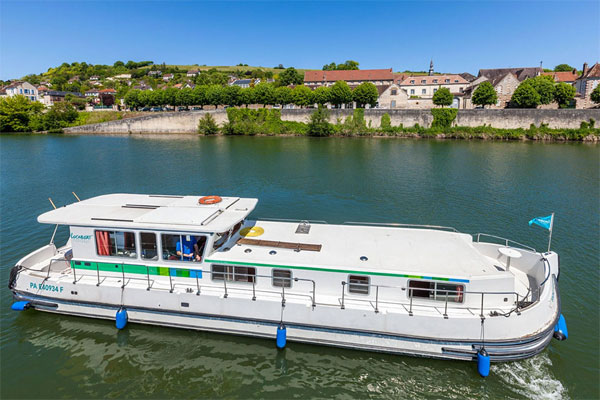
(546,125)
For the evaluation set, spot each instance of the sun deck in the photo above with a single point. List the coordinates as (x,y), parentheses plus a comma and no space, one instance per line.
(152,212)
(387,250)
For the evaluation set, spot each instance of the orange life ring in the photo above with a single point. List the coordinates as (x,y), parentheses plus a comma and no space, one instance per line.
(210,200)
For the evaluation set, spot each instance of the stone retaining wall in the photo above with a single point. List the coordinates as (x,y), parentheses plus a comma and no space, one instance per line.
(187,122)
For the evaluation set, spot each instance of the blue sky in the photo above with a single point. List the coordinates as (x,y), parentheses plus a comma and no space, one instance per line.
(459,36)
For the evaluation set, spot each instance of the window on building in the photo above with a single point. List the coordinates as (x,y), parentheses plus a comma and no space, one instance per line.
(393,103)
(182,247)
(456,81)
(412,91)
(394,92)
(434,90)
(26,91)
(423,81)
(233,273)
(358,284)
(447,80)
(148,245)
(115,244)
(412,82)
(436,291)
(435,81)
(423,91)
(20,91)
(282,278)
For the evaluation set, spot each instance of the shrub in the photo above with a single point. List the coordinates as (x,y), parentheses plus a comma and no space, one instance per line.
(443,117)
(319,123)
(207,125)
(386,122)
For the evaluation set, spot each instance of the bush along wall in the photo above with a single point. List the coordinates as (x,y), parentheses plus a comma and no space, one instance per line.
(443,117)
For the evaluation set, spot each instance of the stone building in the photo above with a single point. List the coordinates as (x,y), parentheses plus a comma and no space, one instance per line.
(504,80)
(585,85)
(423,88)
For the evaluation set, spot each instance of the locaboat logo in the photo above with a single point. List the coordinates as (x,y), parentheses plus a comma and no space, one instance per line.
(80,237)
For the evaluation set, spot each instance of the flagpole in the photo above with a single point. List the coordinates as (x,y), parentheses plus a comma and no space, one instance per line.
(550,235)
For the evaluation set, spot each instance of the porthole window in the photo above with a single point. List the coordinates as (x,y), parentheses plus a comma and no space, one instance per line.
(282,278)
(358,284)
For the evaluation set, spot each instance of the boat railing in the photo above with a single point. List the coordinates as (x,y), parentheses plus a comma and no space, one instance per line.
(395,225)
(312,221)
(251,278)
(519,299)
(507,242)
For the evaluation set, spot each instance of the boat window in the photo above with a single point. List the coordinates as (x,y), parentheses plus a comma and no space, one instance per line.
(182,247)
(436,290)
(358,284)
(222,238)
(233,273)
(116,244)
(282,278)
(148,244)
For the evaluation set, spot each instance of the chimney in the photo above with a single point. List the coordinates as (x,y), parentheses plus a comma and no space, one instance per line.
(585,69)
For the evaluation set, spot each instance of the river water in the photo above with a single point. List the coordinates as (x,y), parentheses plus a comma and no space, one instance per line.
(473,186)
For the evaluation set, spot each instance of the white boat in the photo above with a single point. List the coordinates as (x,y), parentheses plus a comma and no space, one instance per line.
(415,290)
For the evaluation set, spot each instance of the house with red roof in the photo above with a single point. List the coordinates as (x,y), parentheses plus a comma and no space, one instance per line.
(377,77)
(567,76)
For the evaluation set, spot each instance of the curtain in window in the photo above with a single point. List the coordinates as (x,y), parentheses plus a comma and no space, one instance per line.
(102,243)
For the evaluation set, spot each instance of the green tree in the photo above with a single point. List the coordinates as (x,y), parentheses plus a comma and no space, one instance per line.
(17,112)
(214,95)
(170,97)
(525,96)
(544,86)
(232,95)
(319,123)
(283,95)
(563,68)
(340,93)
(248,96)
(264,93)
(60,115)
(348,65)
(321,95)
(442,97)
(187,97)
(386,122)
(132,99)
(290,77)
(485,95)
(302,96)
(197,96)
(564,94)
(595,96)
(365,93)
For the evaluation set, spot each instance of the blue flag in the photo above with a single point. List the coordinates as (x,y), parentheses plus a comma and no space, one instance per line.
(544,222)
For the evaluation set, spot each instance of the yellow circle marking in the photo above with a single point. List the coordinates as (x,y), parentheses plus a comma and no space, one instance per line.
(252,232)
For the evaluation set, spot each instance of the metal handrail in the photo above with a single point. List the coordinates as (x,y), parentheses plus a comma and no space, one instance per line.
(312,221)
(392,224)
(442,291)
(507,242)
(312,296)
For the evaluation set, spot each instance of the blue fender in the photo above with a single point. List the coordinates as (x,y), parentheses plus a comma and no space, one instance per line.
(281,336)
(121,318)
(483,363)
(20,305)
(560,329)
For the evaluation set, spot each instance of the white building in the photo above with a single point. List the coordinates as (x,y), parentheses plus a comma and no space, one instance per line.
(22,88)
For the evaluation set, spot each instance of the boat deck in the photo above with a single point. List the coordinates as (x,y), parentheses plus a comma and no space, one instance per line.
(362,248)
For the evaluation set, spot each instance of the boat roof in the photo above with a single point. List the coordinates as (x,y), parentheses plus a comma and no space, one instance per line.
(147,211)
(406,252)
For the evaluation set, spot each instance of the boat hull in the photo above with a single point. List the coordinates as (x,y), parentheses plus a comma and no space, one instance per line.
(440,348)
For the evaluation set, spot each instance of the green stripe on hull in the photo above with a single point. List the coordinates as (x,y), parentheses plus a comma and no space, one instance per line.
(340,271)
(186,273)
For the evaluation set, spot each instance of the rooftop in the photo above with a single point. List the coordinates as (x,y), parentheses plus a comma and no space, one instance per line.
(388,250)
(349,75)
(152,212)
(434,80)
